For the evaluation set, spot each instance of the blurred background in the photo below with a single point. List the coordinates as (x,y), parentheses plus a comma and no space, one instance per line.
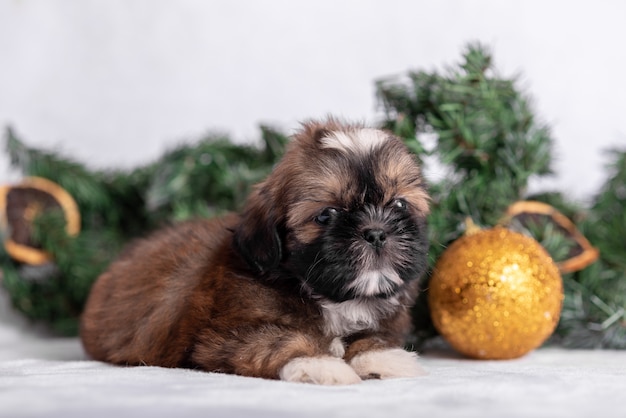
(115,83)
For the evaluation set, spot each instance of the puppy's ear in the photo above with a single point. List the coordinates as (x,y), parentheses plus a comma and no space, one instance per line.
(313,131)
(256,237)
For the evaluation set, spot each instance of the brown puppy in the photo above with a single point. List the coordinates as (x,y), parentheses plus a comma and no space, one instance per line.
(312,282)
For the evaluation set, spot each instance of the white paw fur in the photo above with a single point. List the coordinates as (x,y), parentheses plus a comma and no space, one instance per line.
(337,349)
(324,370)
(387,364)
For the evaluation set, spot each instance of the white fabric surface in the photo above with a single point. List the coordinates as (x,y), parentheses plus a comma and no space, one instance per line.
(51,377)
(46,377)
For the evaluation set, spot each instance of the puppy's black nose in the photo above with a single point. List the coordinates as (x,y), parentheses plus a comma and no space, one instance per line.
(375,236)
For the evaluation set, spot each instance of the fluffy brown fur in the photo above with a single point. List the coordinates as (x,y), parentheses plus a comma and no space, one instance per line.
(312,282)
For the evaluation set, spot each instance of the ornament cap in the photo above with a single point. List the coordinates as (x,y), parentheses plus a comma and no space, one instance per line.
(470,227)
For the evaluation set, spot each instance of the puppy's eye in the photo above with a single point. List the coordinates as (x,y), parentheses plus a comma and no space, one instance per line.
(399,204)
(325,216)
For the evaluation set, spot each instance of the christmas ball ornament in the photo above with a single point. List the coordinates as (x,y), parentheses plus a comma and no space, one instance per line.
(19,207)
(495,294)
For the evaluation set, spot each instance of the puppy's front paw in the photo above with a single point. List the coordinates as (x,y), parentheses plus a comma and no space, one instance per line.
(320,370)
(387,364)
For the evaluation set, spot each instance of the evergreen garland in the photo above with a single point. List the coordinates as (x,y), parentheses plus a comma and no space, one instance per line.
(488,141)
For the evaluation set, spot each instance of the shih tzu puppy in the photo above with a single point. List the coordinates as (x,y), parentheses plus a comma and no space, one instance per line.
(312,282)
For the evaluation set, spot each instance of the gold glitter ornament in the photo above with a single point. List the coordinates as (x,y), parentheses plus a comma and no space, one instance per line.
(495,294)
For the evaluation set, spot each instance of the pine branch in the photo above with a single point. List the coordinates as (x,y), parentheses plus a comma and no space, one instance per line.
(487,138)
(209,177)
(594,313)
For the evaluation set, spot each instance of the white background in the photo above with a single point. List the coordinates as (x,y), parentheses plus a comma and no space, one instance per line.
(117,82)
